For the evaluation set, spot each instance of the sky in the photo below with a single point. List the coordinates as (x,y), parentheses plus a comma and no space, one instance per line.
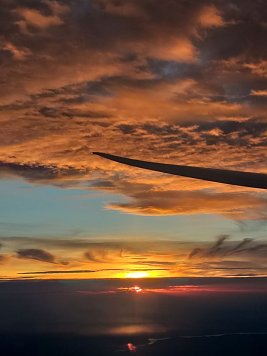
(175,81)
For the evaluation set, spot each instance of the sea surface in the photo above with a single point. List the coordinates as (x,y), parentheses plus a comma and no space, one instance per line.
(170,316)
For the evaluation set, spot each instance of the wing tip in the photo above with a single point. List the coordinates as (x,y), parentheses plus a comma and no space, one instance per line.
(103,155)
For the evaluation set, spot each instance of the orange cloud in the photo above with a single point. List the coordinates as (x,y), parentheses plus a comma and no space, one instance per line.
(17,53)
(258,92)
(210,17)
(233,205)
(33,17)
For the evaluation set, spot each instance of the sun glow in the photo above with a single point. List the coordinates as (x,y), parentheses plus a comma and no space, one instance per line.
(136,289)
(137,274)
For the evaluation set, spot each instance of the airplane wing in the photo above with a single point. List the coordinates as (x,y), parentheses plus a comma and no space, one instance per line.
(244,179)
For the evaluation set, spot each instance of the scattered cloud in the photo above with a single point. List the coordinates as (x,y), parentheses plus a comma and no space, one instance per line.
(36,18)
(36,254)
(17,53)
(247,247)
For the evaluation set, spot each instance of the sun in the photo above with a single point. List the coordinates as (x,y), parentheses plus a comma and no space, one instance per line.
(137,274)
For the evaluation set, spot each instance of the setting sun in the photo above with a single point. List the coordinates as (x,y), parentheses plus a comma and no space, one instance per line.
(137,274)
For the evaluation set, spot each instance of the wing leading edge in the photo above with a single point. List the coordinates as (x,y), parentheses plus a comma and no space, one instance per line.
(244,179)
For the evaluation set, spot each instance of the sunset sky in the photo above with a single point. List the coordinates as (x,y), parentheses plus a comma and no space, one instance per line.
(173,81)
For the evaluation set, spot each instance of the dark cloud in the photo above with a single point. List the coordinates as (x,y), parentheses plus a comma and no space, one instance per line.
(97,248)
(3,258)
(249,133)
(36,254)
(40,173)
(248,23)
(99,255)
(246,247)
(70,271)
(155,263)
(91,271)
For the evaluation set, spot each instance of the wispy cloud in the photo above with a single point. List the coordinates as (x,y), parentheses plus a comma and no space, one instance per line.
(36,254)
(79,271)
(221,248)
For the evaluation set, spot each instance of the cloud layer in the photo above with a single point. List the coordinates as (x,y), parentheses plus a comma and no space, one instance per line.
(84,258)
